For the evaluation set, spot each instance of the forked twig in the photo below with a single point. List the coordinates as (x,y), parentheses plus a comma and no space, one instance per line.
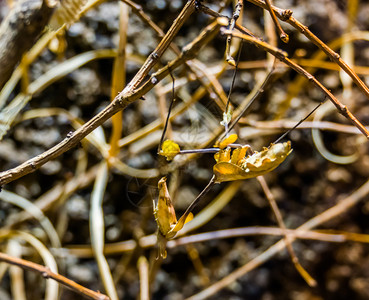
(232,23)
(286,16)
(283,36)
(282,56)
(120,102)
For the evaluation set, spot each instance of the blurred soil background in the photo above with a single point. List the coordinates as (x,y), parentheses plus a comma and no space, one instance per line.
(305,185)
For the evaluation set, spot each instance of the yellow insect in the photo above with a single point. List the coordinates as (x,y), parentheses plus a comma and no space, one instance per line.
(165,217)
(238,166)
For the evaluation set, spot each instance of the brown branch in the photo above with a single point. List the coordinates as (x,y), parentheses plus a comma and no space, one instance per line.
(163,45)
(232,24)
(120,102)
(282,56)
(286,16)
(215,14)
(282,35)
(18,33)
(47,273)
(193,65)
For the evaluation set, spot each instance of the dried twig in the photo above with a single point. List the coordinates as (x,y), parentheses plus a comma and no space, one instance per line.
(18,33)
(283,36)
(286,16)
(232,23)
(120,102)
(47,273)
(282,56)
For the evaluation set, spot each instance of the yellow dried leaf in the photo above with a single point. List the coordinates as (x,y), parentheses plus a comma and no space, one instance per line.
(165,217)
(169,149)
(229,140)
(259,163)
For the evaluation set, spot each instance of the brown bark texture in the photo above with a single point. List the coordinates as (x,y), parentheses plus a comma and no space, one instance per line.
(18,32)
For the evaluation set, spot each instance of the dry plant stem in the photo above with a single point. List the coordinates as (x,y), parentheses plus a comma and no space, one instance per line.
(242,110)
(283,36)
(282,56)
(18,33)
(120,102)
(215,14)
(46,273)
(83,251)
(118,78)
(232,23)
(310,281)
(254,231)
(327,215)
(192,65)
(167,123)
(49,199)
(311,62)
(281,125)
(97,230)
(286,16)
(16,274)
(163,45)
(143,270)
(194,256)
(155,125)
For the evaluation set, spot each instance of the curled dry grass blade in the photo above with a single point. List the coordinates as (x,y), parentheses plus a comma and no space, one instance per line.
(9,113)
(52,288)
(33,210)
(325,216)
(16,274)
(97,230)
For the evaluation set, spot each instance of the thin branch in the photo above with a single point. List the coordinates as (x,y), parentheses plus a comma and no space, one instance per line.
(299,122)
(85,251)
(18,33)
(163,45)
(194,65)
(232,23)
(120,102)
(282,35)
(282,56)
(280,125)
(119,78)
(47,273)
(286,16)
(215,14)
(246,107)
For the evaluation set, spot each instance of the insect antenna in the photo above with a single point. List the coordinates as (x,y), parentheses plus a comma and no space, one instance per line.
(169,111)
(299,122)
